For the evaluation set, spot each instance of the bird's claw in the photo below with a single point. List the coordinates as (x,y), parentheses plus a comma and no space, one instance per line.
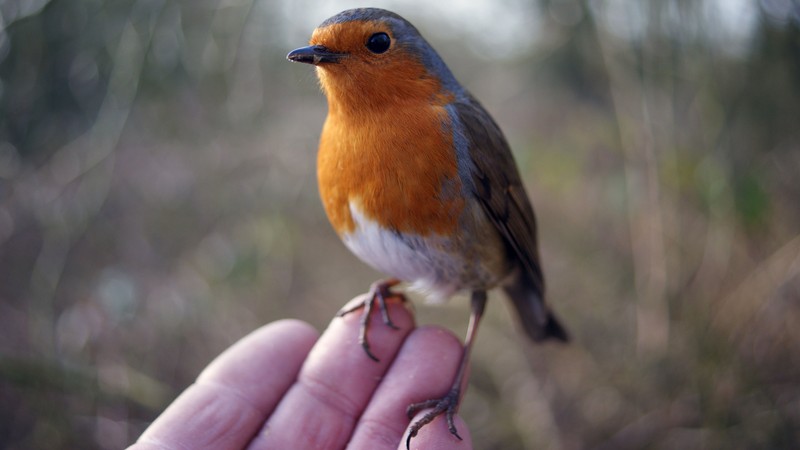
(378,293)
(447,405)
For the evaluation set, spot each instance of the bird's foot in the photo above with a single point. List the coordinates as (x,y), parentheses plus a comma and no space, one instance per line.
(379,293)
(447,405)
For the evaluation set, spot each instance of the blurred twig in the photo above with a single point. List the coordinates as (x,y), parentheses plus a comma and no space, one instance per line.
(48,377)
(19,10)
(735,311)
(642,432)
(71,188)
(644,198)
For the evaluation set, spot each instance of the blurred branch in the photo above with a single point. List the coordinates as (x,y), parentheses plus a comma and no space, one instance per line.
(71,188)
(735,311)
(642,432)
(14,11)
(644,199)
(50,377)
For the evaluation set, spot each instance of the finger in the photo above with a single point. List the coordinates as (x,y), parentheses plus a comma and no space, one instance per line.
(436,436)
(233,396)
(424,369)
(335,384)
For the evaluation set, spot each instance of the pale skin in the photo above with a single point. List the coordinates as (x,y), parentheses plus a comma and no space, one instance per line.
(284,386)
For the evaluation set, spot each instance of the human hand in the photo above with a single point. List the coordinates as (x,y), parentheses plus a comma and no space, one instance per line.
(283,388)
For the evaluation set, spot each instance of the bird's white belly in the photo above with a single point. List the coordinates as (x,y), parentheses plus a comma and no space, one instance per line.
(423,262)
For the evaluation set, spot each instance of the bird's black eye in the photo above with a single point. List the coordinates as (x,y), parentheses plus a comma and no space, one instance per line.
(379,42)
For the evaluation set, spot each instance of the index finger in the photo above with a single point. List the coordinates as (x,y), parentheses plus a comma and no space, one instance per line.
(335,384)
(233,396)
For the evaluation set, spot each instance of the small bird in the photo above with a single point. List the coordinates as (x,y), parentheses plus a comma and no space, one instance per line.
(419,182)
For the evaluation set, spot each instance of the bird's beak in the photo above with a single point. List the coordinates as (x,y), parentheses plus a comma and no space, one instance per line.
(314,54)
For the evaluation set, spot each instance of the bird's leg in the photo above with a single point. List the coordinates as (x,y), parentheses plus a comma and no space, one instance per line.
(448,404)
(379,292)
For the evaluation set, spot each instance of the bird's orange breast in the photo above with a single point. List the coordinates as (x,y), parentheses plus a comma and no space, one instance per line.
(397,165)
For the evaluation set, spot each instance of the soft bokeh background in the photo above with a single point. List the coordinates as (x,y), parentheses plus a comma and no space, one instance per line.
(158,202)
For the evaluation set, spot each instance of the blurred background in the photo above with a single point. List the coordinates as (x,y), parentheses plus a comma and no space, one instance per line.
(158,201)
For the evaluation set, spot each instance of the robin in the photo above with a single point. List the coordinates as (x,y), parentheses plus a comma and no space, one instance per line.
(419,182)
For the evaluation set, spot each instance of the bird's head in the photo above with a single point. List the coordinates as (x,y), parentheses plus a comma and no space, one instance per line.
(371,58)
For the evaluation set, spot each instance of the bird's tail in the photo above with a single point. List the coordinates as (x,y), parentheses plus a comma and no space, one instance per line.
(537,320)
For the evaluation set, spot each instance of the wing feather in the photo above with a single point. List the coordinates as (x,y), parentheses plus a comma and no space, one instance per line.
(499,188)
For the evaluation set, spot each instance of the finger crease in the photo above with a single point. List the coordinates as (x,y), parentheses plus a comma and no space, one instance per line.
(379,431)
(231,392)
(329,396)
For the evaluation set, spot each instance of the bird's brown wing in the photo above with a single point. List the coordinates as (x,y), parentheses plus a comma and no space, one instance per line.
(498,186)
